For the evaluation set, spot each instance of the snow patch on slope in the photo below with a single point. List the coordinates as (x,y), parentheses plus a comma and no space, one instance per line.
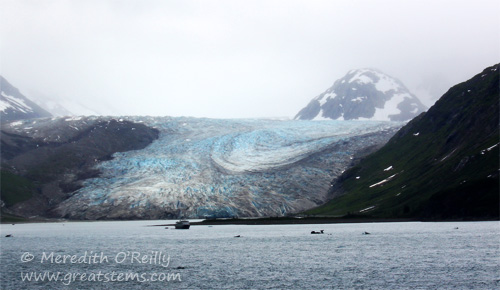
(390,108)
(383,181)
(14,102)
(386,84)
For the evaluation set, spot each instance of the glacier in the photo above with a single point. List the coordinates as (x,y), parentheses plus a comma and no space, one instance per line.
(201,168)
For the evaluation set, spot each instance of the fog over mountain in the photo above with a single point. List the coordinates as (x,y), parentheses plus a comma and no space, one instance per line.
(235,59)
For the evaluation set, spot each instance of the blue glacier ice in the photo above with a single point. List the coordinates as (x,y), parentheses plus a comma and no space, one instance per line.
(224,168)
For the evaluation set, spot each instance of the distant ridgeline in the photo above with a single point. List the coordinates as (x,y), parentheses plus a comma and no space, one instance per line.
(444,164)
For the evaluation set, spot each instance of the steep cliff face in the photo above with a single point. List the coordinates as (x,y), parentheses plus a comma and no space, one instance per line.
(442,164)
(364,94)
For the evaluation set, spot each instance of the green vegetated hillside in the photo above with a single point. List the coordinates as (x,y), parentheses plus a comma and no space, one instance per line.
(444,164)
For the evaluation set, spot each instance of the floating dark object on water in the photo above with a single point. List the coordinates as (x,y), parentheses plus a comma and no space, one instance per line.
(166,228)
(180,267)
(366,233)
(238,236)
(316,233)
(9,236)
(182,225)
(456,228)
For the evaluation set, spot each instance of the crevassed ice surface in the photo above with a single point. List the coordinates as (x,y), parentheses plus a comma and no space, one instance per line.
(221,168)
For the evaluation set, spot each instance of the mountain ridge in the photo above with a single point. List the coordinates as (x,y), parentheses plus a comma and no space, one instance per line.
(442,165)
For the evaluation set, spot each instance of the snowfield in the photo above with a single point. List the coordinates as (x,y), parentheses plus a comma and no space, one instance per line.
(222,168)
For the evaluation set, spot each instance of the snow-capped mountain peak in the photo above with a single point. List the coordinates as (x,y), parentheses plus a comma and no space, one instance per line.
(364,94)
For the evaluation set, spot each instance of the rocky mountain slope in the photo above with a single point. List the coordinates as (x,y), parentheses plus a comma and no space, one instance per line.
(45,160)
(364,94)
(15,106)
(444,164)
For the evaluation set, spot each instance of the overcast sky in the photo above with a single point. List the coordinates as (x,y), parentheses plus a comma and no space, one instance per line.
(236,59)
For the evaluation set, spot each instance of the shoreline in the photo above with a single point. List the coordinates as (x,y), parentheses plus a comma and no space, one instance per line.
(267,220)
(319,220)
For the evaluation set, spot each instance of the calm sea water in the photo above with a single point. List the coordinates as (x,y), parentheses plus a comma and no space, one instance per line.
(100,255)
